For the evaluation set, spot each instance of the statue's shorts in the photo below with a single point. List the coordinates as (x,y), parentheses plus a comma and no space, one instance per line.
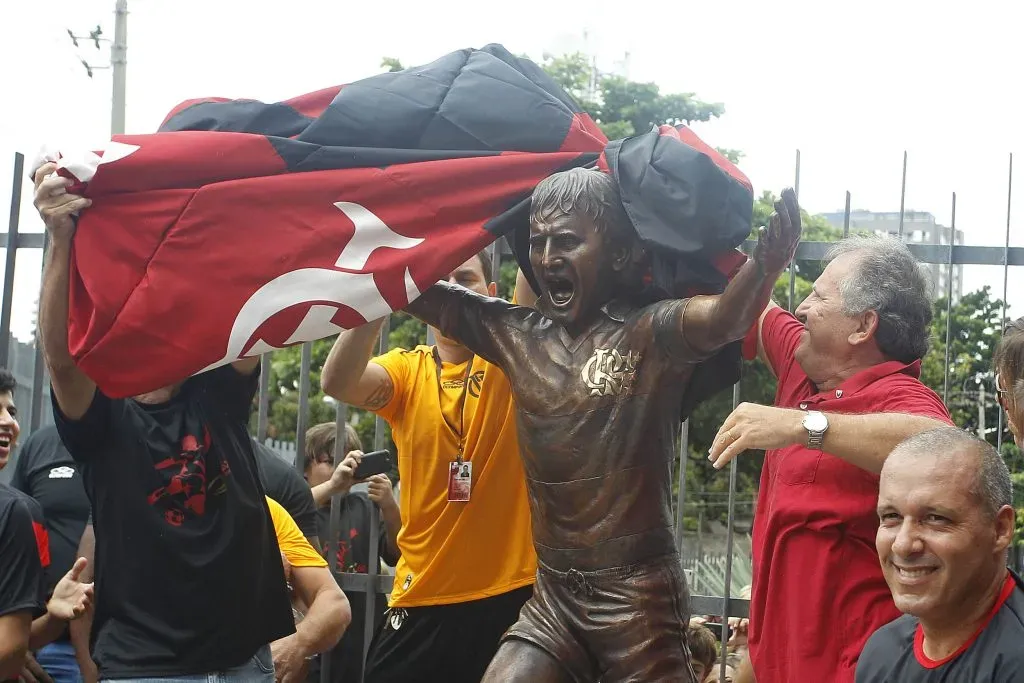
(621,624)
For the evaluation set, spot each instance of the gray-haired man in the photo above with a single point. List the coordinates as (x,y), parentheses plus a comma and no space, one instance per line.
(848,392)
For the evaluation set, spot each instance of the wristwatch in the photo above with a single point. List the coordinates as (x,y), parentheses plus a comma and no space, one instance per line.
(816,425)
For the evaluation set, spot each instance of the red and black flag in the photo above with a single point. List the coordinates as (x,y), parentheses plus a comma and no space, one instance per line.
(241,227)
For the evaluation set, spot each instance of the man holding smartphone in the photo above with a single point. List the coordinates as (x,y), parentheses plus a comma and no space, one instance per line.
(467,562)
(352,546)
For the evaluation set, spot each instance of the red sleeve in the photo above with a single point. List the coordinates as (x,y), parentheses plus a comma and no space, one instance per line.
(780,335)
(910,396)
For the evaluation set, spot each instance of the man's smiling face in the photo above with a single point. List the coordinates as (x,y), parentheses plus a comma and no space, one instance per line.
(9,427)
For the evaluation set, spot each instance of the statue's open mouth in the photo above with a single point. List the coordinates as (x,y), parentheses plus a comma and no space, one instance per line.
(560,290)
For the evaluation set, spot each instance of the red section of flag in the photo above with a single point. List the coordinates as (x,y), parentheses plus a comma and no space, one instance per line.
(313,104)
(584,134)
(239,257)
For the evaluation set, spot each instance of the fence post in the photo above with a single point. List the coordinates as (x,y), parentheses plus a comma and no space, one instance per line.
(12,253)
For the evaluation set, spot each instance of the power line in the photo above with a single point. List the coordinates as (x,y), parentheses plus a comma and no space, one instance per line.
(118,61)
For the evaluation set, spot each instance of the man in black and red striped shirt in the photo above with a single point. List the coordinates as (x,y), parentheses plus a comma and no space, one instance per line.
(946,522)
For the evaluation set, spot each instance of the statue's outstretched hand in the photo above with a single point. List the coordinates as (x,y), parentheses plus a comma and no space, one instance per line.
(777,243)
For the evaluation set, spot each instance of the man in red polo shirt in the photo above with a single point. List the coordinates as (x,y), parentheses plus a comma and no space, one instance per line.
(848,392)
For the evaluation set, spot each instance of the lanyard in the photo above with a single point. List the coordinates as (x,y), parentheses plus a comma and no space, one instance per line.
(460,432)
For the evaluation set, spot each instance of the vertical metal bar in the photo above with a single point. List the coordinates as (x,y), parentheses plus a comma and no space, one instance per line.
(12,253)
(263,414)
(903,192)
(38,367)
(1006,275)
(729,540)
(496,263)
(684,450)
(949,304)
(334,525)
(792,264)
(119,66)
(373,563)
(302,423)
(846,216)
(379,425)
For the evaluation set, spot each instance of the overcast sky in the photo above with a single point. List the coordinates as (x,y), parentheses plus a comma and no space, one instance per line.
(852,85)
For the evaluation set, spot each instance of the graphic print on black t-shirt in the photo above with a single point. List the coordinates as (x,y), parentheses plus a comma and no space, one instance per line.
(185,493)
(186,560)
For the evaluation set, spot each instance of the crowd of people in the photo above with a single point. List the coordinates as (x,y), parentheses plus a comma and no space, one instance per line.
(153,539)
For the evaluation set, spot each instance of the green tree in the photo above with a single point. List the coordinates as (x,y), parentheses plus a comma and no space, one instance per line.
(975,327)
(391,64)
(622,107)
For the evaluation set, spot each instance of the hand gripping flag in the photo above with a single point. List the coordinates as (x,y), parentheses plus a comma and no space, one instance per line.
(242,227)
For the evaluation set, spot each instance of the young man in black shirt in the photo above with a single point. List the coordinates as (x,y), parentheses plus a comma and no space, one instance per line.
(46,471)
(190,578)
(29,617)
(22,592)
(327,478)
(945,523)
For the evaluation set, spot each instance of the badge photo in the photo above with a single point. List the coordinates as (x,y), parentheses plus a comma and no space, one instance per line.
(460,481)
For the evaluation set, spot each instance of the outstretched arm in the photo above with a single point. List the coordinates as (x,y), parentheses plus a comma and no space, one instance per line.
(711,322)
(477,322)
(71,387)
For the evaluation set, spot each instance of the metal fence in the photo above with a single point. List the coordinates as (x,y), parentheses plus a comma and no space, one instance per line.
(722,605)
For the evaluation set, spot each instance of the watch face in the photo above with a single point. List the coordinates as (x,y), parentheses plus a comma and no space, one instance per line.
(815,422)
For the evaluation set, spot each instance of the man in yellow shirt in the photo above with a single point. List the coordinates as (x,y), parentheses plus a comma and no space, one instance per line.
(467,560)
(327,613)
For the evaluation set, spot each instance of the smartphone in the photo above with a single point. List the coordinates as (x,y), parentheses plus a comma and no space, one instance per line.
(377,462)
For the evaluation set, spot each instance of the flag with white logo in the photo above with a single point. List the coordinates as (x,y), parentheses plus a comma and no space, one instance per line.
(242,227)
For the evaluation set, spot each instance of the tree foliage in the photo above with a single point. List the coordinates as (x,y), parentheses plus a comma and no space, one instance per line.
(622,107)
(975,325)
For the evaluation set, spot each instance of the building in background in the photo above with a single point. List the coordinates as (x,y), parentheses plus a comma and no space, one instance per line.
(919,227)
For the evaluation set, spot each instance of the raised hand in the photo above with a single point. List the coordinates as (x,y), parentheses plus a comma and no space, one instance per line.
(777,243)
(55,205)
(71,598)
(344,474)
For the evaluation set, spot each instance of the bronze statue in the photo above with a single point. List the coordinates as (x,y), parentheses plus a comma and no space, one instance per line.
(597,379)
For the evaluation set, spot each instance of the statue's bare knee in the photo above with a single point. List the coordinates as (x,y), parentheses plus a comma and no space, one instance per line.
(520,661)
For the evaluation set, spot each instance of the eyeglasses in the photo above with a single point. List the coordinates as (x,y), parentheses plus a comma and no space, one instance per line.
(1001,393)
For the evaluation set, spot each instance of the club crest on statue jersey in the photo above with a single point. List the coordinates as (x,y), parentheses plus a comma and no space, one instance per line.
(351,287)
(610,373)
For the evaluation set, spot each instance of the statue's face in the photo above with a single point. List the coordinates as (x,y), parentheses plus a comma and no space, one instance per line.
(575,267)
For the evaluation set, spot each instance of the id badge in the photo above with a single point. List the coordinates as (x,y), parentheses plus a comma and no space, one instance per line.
(460,481)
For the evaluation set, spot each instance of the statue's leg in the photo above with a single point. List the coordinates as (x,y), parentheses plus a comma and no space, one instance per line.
(518,661)
(542,646)
(641,634)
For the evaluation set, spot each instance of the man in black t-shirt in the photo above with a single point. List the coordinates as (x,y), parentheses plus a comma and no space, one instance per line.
(280,481)
(284,484)
(46,471)
(945,523)
(22,592)
(190,578)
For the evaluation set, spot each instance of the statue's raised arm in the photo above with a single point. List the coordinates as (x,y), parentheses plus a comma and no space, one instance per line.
(710,322)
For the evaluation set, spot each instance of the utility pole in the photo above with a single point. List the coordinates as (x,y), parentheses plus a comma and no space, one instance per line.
(119,64)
